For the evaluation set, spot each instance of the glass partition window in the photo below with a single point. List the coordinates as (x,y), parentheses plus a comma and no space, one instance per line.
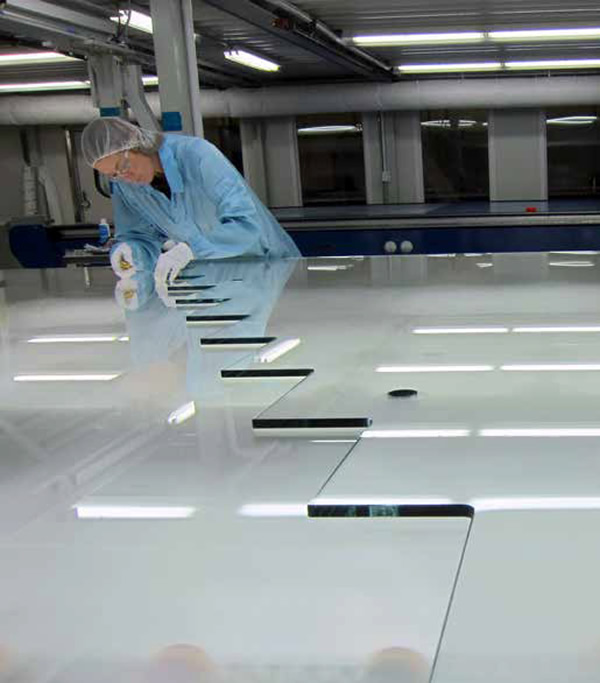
(224,133)
(573,151)
(455,154)
(332,164)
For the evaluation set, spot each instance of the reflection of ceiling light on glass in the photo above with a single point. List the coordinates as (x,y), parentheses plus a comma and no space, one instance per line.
(446,123)
(535,433)
(415,433)
(275,350)
(572,264)
(142,22)
(67,339)
(441,68)
(491,504)
(485,265)
(134,512)
(325,130)
(182,413)
(555,64)
(150,80)
(44,86)
(577,253)
(273,510)
(35,58)
(435,368)
(253,61)
(419,38)
(333,441)
(382,501)
(460,330)
(558,328)
(66,378)
(572,121)
(556,367)
(545,34)
(327,269)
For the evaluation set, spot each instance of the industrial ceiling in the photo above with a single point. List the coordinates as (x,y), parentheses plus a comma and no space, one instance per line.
(310,39)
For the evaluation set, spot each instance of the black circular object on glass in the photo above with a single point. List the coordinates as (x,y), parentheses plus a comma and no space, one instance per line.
(402,393)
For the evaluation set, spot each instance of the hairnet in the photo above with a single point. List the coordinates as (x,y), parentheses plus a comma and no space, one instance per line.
(111,134)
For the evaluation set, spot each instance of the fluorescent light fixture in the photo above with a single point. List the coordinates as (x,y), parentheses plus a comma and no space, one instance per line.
(557,329)
(275,350)
(415,433)
(253,61)
(554,64)
(134,512)
(44,86)
(485,265)
(325,130)
(556,367)
(71,339)
(419,38)
(382,501)
(150,80)
(142,22)
(562,503)
(182,413)
(572,264)
(123,339)
(572,121)
(577,253)
(442,68)
(435,368)
(545,34)
(35,58)
(67,378)
(538,433)
(460,330)
(273,510)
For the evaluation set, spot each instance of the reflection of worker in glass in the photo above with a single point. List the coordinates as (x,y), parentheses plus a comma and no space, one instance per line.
(177,191)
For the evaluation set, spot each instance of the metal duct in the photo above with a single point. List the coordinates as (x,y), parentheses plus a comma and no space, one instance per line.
(483,93)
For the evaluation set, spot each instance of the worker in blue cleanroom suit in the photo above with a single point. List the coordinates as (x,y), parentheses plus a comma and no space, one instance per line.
(177,199)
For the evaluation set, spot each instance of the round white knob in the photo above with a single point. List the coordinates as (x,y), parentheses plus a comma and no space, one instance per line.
(406,247)
(390,247)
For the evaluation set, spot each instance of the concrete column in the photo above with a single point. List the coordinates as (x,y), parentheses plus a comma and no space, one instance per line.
(372,153)
(393,157)
(406,184)
(517,155)
(282,162)
(176,61)
(253,153)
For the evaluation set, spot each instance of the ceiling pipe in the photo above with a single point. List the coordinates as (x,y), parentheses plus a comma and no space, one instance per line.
(479,93)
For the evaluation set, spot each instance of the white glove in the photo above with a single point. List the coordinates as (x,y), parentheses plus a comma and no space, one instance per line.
(171,263)
(126,294)
(121,261)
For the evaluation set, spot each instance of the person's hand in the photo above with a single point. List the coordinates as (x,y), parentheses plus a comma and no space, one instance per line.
(171,263)
(121,260)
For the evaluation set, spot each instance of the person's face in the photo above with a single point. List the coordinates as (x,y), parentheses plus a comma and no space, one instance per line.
(130,166)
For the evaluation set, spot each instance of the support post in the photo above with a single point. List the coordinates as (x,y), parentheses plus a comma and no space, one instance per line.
(175,50)
(253,153)
(517,155)
(282,162)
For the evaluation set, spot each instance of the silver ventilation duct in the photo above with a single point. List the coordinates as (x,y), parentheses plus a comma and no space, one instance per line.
(482,93)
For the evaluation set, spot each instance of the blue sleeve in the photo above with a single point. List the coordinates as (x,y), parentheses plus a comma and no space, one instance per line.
(239,229)
(143,237)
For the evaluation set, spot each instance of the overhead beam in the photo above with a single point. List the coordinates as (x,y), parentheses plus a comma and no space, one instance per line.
(252,14)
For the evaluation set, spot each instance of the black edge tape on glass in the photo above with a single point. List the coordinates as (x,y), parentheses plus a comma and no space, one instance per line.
(222,341)
(350,511)
(312,423)
(215,318)
(279,372)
